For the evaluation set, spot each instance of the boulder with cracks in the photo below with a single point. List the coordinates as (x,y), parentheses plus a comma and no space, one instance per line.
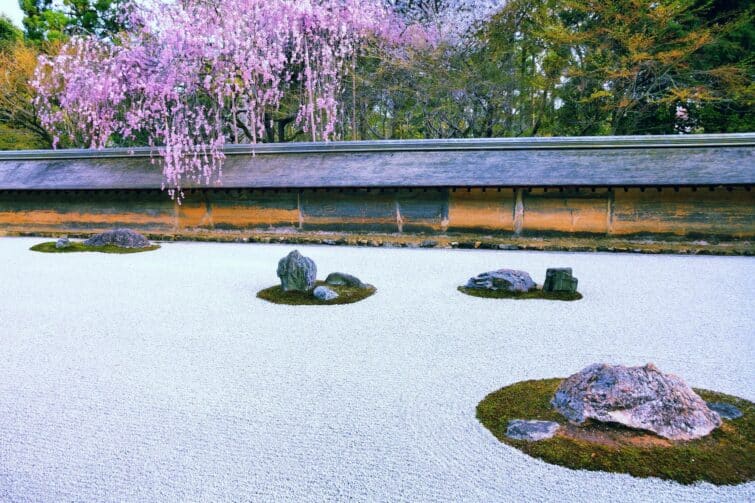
(637,397)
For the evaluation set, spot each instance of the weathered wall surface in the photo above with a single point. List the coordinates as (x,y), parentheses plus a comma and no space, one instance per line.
(726,213)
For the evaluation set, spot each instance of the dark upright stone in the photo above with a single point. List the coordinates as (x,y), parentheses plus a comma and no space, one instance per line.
(297,272)
(560,280)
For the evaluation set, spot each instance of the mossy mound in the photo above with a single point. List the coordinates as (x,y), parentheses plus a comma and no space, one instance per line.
(346,295)
(726,456)
(533,294)
(76,246)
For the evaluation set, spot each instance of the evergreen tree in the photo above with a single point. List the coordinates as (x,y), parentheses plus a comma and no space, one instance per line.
(46,20)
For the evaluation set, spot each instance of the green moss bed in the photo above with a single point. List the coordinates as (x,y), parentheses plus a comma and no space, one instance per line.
(726,456)
(346,295)
(534,294)
(77,246)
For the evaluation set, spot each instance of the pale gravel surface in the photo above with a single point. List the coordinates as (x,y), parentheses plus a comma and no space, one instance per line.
(161,377)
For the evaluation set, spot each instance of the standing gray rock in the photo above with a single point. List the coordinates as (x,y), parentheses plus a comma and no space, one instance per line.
(62,243)
(509,280)
(532,430)
(297,272)
(324,293)
(560,280)
(125,238)
(343,279)
(637,397)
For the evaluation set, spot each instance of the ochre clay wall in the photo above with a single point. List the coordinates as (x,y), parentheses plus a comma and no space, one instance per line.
(683,212)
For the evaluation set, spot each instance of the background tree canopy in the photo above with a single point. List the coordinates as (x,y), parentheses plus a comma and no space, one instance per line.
(467,68)
(49,20)
(572,67)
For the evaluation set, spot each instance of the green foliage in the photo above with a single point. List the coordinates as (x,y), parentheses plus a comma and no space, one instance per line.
(42,22)
(9,34)
(19,126)
(19,129)
(46,20)
(568,68)
(20,139)
(76,246)
(538,67)
(627,66)
(731,56)
(346,295)
(726,456)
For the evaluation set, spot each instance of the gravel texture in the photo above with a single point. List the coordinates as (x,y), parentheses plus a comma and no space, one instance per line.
(161,377)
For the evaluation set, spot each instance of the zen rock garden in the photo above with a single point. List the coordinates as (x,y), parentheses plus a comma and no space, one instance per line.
(113,241)
(299,285)
(512,284)
(419,351)
(635,420)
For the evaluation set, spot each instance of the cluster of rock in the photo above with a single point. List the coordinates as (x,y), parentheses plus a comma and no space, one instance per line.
(124,238)
(299,273)
(642,398)
(510,280)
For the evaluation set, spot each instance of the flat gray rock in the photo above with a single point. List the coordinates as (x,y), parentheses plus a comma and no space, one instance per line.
(324,293)
(521,429)
(725,410)
(125,238)
(509,280)
(297,272)
(343,279)
(560,279)
(637,397)
(62,243)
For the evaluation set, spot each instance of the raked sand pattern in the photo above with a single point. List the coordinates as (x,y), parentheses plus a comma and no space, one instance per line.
(161,377)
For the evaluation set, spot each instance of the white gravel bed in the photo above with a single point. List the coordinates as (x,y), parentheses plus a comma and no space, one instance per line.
(161,377)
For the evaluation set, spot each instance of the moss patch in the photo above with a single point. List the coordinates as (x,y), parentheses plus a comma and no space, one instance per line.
(533,294)
(346,295)
(76,246)
(726,456)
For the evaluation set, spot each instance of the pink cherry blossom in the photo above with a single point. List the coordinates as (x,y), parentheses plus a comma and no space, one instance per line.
(193,75)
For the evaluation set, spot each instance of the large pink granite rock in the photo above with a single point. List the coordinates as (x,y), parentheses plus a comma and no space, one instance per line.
(637,397)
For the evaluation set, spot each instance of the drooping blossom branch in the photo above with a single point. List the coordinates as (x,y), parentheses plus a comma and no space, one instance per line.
(192,75)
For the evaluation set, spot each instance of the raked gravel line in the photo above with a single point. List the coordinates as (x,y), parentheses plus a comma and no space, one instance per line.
(161,377)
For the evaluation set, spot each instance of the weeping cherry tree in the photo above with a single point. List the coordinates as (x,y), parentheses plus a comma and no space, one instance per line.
(187,77)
